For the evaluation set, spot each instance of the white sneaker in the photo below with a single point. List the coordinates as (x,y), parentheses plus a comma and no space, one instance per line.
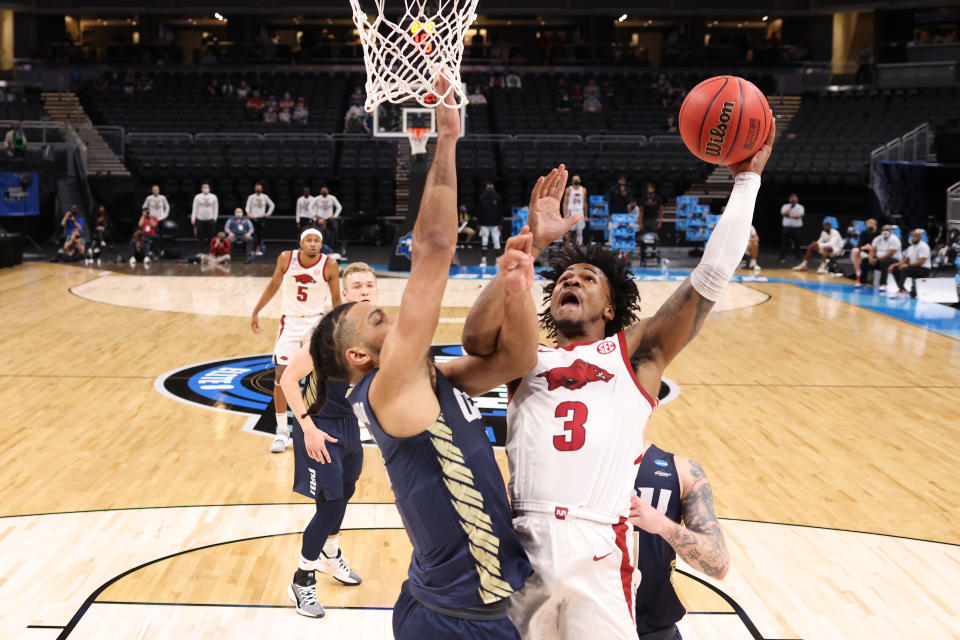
(483,261)
(147,261)
(132,261)
(756,268)
(279,444)
(800,267)
(338,567)
(822,268)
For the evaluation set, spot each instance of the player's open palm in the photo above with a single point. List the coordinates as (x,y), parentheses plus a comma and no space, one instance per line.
(546,222)
(316,444)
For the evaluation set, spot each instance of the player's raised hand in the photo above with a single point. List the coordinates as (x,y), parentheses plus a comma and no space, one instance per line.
(757,161)
(546,222)
(447,113)
(316,441)
(255,323)
(523,241)
(517,269)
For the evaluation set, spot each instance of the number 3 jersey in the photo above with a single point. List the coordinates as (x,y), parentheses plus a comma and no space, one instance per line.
(575,427)
(304,292)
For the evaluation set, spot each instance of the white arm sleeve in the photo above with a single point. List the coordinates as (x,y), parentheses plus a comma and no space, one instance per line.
(337,207)
(270,205)
(193,212)
(729,239)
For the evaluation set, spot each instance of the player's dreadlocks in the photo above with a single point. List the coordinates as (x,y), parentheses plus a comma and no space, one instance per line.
(623,290)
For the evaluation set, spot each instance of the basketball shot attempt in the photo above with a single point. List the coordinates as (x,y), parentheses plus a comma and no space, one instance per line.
(308,281)
(575,422)
(466,557)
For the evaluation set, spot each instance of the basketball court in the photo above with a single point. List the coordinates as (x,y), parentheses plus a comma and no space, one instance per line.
(130,510)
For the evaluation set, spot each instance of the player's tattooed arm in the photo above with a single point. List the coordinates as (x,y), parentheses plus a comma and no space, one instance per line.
(654,342)
(699,540)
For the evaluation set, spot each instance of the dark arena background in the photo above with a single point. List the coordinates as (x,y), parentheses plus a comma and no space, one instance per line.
(139,497)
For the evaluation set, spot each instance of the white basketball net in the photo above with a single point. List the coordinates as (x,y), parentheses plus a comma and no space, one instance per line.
(403,58)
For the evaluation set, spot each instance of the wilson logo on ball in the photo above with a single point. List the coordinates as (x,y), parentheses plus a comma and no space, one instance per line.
(718,134)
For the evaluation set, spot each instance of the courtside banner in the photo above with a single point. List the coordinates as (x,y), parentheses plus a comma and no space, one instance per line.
(19,194)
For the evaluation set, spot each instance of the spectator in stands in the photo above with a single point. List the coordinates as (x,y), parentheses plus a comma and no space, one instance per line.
(863,246)
(243,90)
(326,211)
(355,121)
(139,249)
(157,204)
(148,228)
(284,116)
(101,83)
(512,81)
(213,89)
(357,94)
(592,104)
(286,102)
(914,264)
(271,114)
(884,251)
(227,88)
(203,216)
(144,82)
(564,103)
(753,246)
(15,142)
(606,91)
(129,82)
(591,88)
(301,112)
(671,125)
(219,250)
(828,245)
(615,190)
(863,65)
(465,231)
(259,208)
(72,223)
(490,217)
(652,210)
(240,229)
(305,216)
(576,96)
(255,106)
(791,216)
(476,96)
(102,229)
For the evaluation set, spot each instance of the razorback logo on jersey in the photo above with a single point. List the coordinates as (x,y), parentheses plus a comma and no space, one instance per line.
(576,376)
(304,278)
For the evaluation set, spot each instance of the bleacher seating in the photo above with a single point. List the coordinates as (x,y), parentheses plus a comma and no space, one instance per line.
(830,139)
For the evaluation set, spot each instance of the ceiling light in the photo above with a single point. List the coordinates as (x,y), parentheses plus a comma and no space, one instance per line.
(622,18)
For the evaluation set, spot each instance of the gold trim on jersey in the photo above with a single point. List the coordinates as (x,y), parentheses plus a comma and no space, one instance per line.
(467,501)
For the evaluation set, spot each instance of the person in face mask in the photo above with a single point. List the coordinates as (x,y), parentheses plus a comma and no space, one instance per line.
(791,216)
(206,209)
(914,264)
(157,204)
(575,204)
(862,250)
(240,229)
(885,250)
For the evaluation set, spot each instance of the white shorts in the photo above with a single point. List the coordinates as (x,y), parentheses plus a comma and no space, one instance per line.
(826,249)
(580,226)
(490,232)
(584,580)
(294,332)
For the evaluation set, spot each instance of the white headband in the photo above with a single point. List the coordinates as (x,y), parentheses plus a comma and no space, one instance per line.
(311,232)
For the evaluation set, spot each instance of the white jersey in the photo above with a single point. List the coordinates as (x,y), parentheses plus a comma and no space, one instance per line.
(326,207)
(575,431)
(305,208)
(158,205)
(576,201)
(304,292)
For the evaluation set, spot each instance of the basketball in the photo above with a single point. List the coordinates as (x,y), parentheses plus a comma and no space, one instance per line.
(724,120)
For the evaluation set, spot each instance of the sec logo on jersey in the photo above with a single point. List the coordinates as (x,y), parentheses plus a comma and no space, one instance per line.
(605,347)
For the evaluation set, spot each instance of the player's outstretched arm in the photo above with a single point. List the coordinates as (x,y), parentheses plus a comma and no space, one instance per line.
(482,327)
(315,439)
(699,540)
(331,273)
(516,349)
(282,260)
(654,342)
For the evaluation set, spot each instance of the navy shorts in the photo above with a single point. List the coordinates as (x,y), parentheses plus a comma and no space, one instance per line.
(311,477)
(413,621)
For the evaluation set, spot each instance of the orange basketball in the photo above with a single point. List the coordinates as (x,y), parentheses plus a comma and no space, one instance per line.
(724,120)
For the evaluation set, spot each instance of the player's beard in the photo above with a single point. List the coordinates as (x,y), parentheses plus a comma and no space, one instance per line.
(574,326)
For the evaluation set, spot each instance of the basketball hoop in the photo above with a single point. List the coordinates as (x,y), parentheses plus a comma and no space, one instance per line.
(418,140)
(403,58)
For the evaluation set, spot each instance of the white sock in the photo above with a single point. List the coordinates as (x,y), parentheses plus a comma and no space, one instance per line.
(307,565)
(332,546)
(282,428)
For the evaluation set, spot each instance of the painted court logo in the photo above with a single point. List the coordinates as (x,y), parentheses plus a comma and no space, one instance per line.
(244,385)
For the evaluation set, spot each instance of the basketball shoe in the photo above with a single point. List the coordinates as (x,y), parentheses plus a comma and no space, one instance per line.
(305,595)
(280,441)
(338,567)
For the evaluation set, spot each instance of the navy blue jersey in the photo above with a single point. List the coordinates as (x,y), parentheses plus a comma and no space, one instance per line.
(658,485)
(337,406)
(453,503)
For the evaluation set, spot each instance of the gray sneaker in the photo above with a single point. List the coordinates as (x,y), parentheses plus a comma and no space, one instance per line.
(338,567)
(306,600)
(280,441)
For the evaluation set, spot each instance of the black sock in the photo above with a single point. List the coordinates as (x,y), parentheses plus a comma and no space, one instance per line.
(304,578)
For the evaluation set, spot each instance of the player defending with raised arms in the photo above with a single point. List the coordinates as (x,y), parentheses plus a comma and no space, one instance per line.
(326,473)
(466,557)
(309,281)
(575,421)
